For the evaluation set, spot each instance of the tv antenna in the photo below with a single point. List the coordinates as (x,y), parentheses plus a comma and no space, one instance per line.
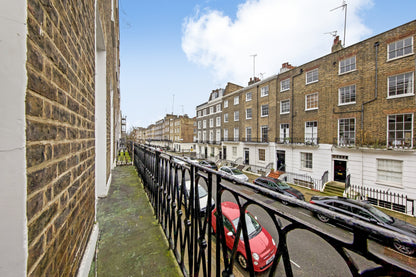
(333,33)
(254,64)
(344,7)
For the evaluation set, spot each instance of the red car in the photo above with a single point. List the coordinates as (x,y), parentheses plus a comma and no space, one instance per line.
(262,246)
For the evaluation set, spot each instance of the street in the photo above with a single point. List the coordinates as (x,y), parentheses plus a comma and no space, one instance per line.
(307,250)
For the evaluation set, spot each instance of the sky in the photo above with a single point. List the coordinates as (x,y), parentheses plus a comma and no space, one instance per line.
(174,53)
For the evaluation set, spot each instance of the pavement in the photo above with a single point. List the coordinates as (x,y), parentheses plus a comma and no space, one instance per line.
(131,241)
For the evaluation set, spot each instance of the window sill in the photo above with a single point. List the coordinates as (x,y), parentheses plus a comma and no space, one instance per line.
(401,96)
(398,58)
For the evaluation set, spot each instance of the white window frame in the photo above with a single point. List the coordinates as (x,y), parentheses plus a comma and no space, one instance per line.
(285,85)
(218,121)
(225,103)
(211,135)
(236,134)
(311,132)
(347,95)
(283,102)
(409,88)
(309,101)
(199,124)
(264,129)
(402,135)
(249,96)
(390,172)
(218,135)
(225,134)
(226,117)
(211,110)
(264,91)
(265,110)
(312,76)
(284,132)
(204,124)
(345,140)
(218,108)
(236,100)
(248,133)
(234,151)
(396,52)
(211,122)
(262,152)
(249,116)
(205,112)
(306,160)
(236,115)
(347,65)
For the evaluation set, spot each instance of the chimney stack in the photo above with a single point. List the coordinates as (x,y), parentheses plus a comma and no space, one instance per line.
(337,45)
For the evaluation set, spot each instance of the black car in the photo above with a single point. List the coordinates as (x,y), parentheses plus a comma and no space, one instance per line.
(280,187)
(366,212)
(208,164)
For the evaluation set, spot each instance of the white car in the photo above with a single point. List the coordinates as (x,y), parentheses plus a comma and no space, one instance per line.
(203,197)
(234,172)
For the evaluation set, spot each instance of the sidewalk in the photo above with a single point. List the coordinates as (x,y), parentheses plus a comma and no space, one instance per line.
(130,242)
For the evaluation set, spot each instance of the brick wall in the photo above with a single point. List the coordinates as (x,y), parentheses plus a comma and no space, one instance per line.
(60,131)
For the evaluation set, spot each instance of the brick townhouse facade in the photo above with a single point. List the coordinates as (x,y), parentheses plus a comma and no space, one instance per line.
(349,113)
(60,131)
(209,120)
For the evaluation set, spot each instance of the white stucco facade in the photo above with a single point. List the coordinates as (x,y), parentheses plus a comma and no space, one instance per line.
(13,227)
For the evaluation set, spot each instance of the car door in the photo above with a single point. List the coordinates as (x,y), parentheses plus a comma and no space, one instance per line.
(228,227)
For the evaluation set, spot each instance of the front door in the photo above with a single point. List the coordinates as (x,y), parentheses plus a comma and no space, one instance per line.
(340,170)
(281,160)
(224,152)
(246,156)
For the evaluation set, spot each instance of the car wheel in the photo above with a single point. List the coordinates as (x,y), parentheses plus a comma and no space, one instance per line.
(242,261)
(404,249)
(322,218)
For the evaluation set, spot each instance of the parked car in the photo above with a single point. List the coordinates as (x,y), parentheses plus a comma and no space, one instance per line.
(366,212)
(203,198)
(262,245)
(208,164)
(279,186)
(234,172)
(179,161)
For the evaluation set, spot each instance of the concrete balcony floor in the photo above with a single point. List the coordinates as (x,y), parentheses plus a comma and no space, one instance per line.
(131,242)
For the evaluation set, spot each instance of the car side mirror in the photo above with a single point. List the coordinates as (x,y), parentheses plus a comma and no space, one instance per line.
(230,234)
(373,220)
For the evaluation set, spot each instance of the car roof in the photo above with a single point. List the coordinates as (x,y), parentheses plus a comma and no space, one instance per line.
(230,210)
(268,179)
(344,199)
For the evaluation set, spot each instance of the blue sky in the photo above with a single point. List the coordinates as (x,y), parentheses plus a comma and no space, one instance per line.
(174,53)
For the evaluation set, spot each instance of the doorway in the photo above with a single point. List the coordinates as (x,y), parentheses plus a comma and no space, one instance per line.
(340,170)
(246,156)
(281,160)
(224,152)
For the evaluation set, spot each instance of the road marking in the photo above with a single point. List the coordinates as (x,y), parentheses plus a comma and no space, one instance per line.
(295,263)
(308,215)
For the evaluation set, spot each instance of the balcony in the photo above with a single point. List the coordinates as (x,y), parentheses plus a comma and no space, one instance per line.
(131,241)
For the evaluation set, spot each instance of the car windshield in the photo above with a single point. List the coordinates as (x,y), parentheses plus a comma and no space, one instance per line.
(253,227)
(202,192)
(379,214)
(236,171)
(282,184)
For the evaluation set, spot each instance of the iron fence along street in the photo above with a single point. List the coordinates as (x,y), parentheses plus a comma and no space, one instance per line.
(199,253)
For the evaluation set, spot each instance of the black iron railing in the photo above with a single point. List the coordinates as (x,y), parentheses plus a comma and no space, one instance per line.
(199,253)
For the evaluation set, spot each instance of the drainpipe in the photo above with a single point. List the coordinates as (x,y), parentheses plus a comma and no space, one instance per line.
(376,44)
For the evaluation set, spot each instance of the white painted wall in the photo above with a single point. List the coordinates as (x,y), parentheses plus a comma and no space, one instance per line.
(101,185)
(13,227)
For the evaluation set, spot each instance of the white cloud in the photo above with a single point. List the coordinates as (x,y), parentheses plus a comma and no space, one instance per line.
(277,31)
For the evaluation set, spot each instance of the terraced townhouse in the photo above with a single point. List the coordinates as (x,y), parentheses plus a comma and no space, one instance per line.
(61,126)
(347,116)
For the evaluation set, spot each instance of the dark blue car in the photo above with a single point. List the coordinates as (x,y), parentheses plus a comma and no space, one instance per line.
(366,212)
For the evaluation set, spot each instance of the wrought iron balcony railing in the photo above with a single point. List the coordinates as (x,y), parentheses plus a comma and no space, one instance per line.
(187,226)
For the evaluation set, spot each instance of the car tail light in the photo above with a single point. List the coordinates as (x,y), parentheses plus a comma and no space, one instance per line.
(312,202)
